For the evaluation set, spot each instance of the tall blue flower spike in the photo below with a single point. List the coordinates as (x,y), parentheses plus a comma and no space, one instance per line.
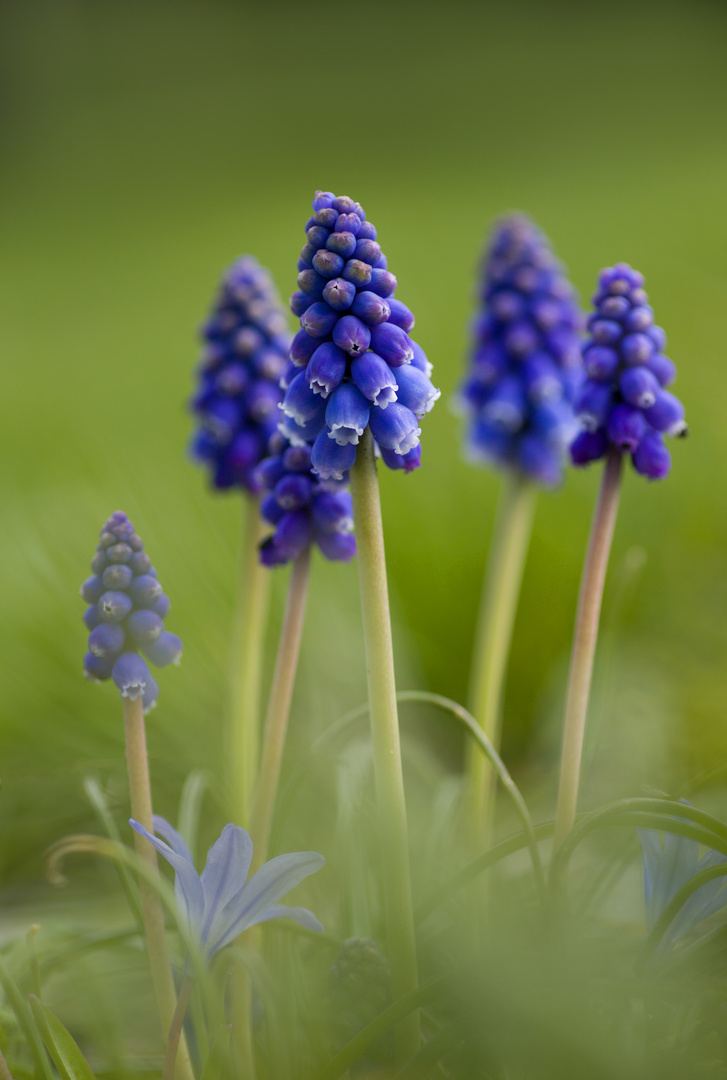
(358,365)
(302,508)
(525,367)
(217,905)
(624,403)
(666,869)
(246,352)
(125,614)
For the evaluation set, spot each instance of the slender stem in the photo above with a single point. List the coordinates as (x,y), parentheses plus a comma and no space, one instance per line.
(152,913)
(584,644)
(276,720)
(175,1028)
(500,593)
(5,1073)
(247,663)
(385,738)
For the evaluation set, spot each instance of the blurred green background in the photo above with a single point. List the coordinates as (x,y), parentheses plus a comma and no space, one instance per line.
(148,143)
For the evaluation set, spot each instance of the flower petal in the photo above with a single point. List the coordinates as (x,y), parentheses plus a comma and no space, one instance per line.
(173,838)
(301,915)
(272,881)
(187,885)
(228,863)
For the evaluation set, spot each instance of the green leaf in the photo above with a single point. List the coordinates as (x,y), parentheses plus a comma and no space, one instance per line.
(69,1060)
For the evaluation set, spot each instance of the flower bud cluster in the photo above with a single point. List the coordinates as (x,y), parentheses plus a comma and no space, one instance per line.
(624,403)
(125,613)
(245,354)
(302,508)
(525,366)
(353,364)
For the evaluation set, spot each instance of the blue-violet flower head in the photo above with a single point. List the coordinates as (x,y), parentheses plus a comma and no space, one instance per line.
(218,904)
(352,346)
(302,508)
(517,396)
(125,614)
(623,403)
(245,354)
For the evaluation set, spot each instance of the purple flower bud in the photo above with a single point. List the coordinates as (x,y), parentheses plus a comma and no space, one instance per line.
(107,640)
(328,264)
(293,533)
(150,695)
(419,359)
(554,422)
(351,335)
(270,509)
(382,282)
(326,368)
(639,319)
(302,434)
(395,428)
(305,262)
(91,617)
(92,589)
(400,315)
(326,217)
(270,470)
(636,349)
(317,236)
(140,563)
(293,492)
(329,459)
(319,320)
(392,344)
(506,405)
(606,332)
(368,251)
(302,348)
(167,649)
(339,294)
(337,546)
(311,283)
(370,308)
(145,591)
(144,626)
(342,243)
(601,362)
(115,606)
(651,458)
(408,462)
(162,606)
(625,427)
(131,675)
(539,460)
(658,337)
(594,404)
(119,553)
(297,459)
(357,272)
(347,414)
(332,511)
(300,302)
(589,446)
(301,402)
(638,386)
(667,414)
(415,390)
(323,200)
(663,368)
(490,445)
(96,669)
(367,231)
(542,378)
(375,379)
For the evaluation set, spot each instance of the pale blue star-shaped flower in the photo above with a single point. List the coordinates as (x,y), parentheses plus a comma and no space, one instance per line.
(667,868)
(217,905)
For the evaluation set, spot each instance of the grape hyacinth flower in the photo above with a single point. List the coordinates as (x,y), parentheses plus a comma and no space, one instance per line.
(667,868)
(358,366)
(245,354)
(517,398)
(214,907)
(624,402)
(525,366)
(302,508)
(125,614)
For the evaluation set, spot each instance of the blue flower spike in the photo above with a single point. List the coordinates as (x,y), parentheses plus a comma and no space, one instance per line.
(525,367)
(624,402)
(302,508)
(358,366)
(125,614)
(245,354)
(668,866)
(218,904)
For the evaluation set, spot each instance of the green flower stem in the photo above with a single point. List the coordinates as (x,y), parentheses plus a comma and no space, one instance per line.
(385,738)
(153,915)
(247,663)
(276,720)
(175,1028)
(584,644)
(500,593)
